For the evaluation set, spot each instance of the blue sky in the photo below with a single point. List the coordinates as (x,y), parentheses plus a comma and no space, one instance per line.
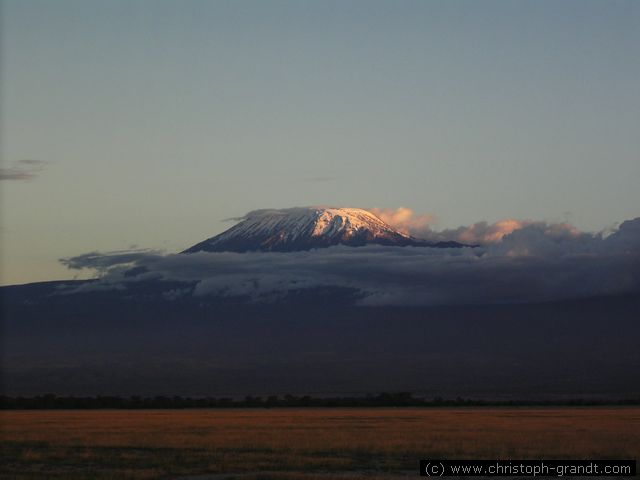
(156,120)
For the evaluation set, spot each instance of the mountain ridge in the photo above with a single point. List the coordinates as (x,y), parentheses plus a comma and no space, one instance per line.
(305,228)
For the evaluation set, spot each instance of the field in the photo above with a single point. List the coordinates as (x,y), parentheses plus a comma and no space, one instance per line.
(294,444)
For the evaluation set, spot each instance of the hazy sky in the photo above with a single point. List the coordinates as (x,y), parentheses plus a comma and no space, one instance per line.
(152,121)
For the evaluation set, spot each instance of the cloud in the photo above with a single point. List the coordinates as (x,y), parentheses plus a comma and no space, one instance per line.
(103,262)
(403,219)
(479,233)
(22,169)
(538,262)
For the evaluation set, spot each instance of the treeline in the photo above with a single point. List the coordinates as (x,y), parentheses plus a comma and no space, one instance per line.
(400,399)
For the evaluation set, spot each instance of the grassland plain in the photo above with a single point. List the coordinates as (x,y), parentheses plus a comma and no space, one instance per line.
(296,444)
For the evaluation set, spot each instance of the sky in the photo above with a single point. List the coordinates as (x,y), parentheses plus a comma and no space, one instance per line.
(148,123)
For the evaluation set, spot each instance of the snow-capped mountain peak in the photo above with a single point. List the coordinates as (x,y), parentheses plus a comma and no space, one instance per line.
(304,228)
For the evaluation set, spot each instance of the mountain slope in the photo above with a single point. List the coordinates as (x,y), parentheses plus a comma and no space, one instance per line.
(137,342)
(305,228)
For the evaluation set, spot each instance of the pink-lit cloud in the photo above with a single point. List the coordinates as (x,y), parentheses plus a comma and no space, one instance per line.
(403,219)
(480,233)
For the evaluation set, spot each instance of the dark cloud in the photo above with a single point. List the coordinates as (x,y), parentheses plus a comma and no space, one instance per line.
(31,162)
(264,212)
(528,265)
(102,262)
(22,170)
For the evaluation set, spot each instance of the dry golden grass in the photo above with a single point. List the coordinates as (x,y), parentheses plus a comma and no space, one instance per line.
(170,443)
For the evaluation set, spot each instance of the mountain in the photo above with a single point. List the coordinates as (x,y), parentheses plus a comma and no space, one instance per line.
(138,341)
(304,228)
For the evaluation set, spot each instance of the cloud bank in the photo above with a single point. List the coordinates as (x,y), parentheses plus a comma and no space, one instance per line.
(532,263)
(22,170)
(480,233)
